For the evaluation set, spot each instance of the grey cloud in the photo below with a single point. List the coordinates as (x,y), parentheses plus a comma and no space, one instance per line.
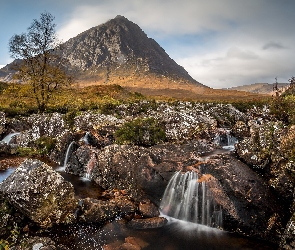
(273,45)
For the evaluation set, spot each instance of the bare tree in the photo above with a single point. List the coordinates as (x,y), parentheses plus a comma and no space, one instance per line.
(40,65)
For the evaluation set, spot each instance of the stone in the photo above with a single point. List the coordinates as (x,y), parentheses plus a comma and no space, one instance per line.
(98,210)
(147,223)
(147,209)
(40,193)
(244,198)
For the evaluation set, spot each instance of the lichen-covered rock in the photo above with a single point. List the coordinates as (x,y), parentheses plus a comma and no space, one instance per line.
(2,123)
(40,193)
(241,130)
(288,238)
(263,143)
(135,169)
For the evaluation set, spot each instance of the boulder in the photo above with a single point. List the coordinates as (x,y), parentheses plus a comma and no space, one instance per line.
(40,193)
(148,210)
(241,130)
(138,170)
(147,223)
(98,210)
(2,123)
(93,210)
(245,198)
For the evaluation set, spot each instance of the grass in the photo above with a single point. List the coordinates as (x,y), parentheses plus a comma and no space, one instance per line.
(17,99)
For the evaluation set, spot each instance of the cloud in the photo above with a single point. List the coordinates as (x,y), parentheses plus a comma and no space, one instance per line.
(273,45)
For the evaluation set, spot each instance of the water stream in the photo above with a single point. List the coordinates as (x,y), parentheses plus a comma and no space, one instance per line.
(188,199)
(7,139)
(189,225)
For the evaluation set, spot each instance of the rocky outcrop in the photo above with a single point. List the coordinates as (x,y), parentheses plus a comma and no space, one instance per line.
(244,197)
(40,193)
(137,170)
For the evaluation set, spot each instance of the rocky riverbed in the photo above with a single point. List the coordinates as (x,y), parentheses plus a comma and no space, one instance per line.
(253,184)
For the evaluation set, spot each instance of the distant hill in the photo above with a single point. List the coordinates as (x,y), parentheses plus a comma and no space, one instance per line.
(260,88)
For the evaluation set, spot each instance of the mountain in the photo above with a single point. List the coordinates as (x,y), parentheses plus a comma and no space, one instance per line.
(119,51)
(261,88)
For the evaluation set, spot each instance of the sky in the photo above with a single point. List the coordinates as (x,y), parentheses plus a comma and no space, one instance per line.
(221,43)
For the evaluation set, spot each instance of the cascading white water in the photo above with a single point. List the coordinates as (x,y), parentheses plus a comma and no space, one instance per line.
(67,154)
(226,140)
(62,168)
(187,199)
(9,137)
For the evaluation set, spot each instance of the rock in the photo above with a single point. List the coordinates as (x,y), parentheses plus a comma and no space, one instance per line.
(147,223)
(2,123)
(102,210)
(97,210)
(244,197)
(240,130)
(264,142)
(11,220)
(40,193)
(138,170)
(148,209)
(288,238)
(38,243)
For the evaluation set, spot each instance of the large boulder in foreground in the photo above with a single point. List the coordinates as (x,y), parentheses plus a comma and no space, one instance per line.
(249,205)
(40,193)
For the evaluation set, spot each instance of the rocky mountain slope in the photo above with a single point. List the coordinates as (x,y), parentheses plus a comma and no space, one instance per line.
(119,48)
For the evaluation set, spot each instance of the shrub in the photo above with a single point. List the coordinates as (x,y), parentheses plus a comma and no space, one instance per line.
(141,131)
(283,108)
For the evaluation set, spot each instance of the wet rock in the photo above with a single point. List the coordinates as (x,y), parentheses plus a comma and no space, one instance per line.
(138,170)
(147,223)
(98,139)
(40,193)
(38,243)
(102,210)
(148,209)
(245,202)
(98,211)
(13,162)
(288,237)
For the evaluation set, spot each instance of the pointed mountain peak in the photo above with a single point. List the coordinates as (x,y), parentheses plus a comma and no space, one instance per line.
(120,52)
(121,17)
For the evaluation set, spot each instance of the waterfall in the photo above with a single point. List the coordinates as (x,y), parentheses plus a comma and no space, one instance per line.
(188,199)
(89,168)
(62,168)
(9,137)
(226,140)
